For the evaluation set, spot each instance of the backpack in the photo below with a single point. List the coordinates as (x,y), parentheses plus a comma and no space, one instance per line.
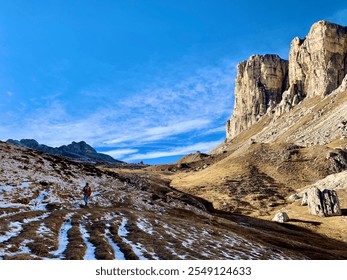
(89,191)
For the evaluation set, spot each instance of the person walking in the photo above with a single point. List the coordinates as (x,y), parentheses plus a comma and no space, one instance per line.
(87,191)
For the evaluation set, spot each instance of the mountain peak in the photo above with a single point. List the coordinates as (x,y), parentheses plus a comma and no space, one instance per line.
(76,150)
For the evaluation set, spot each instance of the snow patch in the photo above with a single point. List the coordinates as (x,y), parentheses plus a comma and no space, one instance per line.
(123,232)
(16,227)
(90,252)
(63,238)
(44,231)
(37,203)
(145,226)
(118,253)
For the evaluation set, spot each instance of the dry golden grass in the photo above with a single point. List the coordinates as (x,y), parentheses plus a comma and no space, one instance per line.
(257,181)
(76,247)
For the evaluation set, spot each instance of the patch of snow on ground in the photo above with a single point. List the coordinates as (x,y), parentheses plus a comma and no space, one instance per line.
(36,204)
(145,226)
(23,248)
(12,188)
(11,213)
(244,249)
(169,231)
(188,243)
(123,232)
(11,205)
(118,253)
(63,238)
(15,229)
(44,231)
(38,218)
(90,252)
(9,191)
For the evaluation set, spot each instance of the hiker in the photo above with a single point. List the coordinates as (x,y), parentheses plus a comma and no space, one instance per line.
(87,191)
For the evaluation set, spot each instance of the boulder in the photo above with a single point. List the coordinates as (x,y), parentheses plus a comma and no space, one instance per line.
(338,160)
(322,203)
(314,202)
(281,217)
(330,203)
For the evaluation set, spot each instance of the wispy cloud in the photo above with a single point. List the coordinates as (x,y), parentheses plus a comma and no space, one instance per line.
(177,151)
(120,153)
(160,132)
(165,110)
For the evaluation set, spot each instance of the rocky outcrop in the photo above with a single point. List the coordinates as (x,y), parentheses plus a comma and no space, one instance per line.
(317,64)
(260,83)
(76,150)
(267,84)
(338,160)
(322,203)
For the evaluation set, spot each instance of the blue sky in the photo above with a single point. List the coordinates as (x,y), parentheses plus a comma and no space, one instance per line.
(139,80)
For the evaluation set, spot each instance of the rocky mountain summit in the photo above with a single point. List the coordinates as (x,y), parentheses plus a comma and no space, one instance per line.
(76,150)
(269,85)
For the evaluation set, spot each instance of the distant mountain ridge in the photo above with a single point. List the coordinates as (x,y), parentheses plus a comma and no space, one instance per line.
(76,150)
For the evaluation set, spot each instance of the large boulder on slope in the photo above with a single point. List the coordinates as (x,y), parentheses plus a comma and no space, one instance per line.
(322,203)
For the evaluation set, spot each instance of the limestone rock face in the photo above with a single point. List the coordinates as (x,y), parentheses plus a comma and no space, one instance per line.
(260,83)
(317,64)
(268,84)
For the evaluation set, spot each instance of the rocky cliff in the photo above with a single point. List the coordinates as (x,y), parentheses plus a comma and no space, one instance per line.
(76,150)
(268,84)
(260,83)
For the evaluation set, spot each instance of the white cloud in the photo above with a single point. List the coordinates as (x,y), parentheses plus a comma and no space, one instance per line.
(119,153)
(161,132)
(202,147)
